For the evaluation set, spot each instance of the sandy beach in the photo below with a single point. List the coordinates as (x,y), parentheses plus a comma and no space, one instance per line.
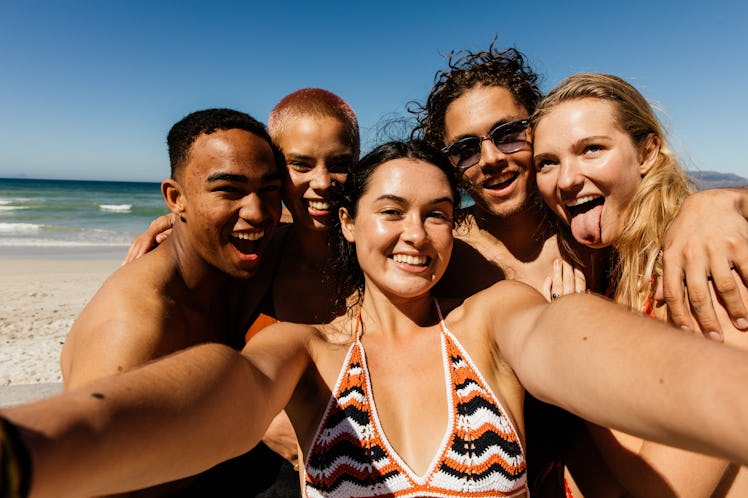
(39,301)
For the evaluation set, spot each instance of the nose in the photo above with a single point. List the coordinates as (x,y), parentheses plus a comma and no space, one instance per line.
(569,176)
(255,210)
(321,178)
(490,155)
(413,230)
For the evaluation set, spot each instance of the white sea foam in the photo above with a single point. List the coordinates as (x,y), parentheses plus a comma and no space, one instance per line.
(19,227)
(57,243)
(116,208)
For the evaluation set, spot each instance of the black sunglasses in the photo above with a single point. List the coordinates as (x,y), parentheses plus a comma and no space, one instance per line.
(507,137)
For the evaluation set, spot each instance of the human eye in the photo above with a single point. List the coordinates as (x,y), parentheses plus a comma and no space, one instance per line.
(228,191)
(440,216)
(464,147)
(391,212)
(340,166)
(509,133)
(298,165)
(271,188)
(543,163)
(224,187)
(592,149)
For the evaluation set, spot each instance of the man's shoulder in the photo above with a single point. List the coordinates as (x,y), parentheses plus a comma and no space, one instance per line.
(133,296)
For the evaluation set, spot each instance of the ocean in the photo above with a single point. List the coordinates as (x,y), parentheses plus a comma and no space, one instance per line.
(72,217)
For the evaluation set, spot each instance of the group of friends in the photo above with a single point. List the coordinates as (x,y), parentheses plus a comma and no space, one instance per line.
(453,351)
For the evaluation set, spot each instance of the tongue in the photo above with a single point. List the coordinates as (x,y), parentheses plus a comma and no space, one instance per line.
(586,226)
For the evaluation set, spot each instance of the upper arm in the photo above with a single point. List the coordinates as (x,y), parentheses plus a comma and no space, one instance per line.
(515,308)
(110,336)
(280,354)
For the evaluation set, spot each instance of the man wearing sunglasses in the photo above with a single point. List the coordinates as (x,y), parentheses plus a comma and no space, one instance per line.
(477,113)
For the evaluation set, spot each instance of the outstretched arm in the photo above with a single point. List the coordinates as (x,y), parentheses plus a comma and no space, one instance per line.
(707,239)
(172,418)
(621,370)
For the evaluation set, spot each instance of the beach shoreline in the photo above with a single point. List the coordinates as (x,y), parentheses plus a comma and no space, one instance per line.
(42,291)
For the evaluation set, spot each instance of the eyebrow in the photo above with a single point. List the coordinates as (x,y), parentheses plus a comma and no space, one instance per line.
(342,155)
(232,177)
(397,198)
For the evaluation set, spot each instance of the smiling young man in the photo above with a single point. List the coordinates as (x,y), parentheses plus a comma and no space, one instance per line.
(477,112)
(225,190)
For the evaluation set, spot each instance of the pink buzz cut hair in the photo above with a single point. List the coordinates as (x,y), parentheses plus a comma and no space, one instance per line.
(317,103)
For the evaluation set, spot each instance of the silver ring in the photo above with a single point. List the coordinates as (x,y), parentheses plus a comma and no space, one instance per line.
(554,296)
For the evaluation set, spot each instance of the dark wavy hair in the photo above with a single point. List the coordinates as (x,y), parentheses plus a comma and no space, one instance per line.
(492,67)
(184,133)
(344,267)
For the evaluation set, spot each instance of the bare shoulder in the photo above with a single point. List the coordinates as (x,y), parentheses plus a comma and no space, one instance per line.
(131,293)
(507,294)
(119,328)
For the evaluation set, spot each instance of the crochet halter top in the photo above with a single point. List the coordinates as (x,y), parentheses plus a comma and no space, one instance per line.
(480,455)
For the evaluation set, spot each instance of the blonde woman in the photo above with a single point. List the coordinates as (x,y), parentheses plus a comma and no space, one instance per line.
(604,167)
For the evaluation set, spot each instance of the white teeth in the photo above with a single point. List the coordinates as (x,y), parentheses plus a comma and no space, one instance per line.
(411,260)
(581,200)
(319,205)
(248,236)
(503,178)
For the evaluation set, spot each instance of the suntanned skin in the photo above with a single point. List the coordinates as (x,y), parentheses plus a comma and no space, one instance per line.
(193,288)
(317,154)
(297,366)
(189,287)
(509,234)
(612,166)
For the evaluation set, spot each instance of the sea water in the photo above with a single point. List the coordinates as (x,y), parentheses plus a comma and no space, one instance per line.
(75,216)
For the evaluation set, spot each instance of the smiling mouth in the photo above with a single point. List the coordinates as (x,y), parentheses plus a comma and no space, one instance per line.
(583,204)
(247,242)
(319,205)
(502,181)
(411,260)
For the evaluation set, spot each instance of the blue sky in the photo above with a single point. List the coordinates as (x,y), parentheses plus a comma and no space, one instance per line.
(89,89)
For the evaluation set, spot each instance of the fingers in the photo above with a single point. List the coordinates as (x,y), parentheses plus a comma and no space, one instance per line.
(706,241)
(727,289)
(158,231)
(139,246)
(163,236)
(700,299)
(565,280)
(547,286)
(580,282)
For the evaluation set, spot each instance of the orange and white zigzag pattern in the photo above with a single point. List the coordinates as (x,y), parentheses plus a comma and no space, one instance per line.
(351,457)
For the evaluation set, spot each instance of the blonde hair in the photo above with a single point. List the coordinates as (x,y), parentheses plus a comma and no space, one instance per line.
(657,198)
(317,103)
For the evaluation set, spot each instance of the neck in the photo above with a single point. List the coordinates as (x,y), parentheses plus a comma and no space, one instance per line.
(395,317)
(201,281)
(311,245)
(522,233)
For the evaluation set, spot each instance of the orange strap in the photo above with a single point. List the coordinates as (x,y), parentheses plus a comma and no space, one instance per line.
(260,323)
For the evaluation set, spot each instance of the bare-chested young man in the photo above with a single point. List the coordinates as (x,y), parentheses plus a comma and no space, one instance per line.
(318,136)
(225,193)
(510,233)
